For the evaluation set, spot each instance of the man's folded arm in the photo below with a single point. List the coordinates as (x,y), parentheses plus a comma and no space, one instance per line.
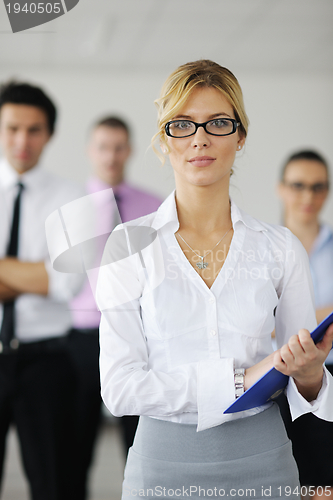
(23,277)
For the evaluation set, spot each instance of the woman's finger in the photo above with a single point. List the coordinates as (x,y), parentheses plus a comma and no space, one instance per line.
(326,343)
(306,342)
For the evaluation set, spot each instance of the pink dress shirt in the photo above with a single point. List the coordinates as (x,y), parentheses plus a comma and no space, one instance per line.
(133,203)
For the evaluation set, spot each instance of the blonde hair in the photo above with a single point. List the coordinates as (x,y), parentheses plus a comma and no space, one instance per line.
(179,86)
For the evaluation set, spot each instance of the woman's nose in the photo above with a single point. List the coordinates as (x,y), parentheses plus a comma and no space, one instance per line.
(200,138)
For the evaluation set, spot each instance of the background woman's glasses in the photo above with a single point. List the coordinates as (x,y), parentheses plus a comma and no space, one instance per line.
(300,187)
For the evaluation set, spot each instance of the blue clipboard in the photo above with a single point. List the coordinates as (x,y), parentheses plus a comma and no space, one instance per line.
(270,385)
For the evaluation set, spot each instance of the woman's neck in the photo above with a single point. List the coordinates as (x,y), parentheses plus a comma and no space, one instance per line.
(306,232)
(203,209)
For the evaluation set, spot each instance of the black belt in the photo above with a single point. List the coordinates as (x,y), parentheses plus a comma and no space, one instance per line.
(38,346)
(86,331)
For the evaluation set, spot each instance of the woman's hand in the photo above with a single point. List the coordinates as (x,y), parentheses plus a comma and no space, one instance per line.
(303,360)
(300,359)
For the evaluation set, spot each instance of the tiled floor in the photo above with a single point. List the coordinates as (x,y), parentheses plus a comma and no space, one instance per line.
(106,474)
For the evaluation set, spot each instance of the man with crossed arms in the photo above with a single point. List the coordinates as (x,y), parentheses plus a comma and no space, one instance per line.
(37,381)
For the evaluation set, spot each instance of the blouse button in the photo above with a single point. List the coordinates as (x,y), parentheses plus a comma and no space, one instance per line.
(213,332)
(212,300)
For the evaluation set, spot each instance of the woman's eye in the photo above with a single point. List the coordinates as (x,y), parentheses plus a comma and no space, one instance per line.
(182,125)
(220,123)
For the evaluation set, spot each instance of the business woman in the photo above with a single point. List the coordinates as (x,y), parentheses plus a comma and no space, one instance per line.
(187,318)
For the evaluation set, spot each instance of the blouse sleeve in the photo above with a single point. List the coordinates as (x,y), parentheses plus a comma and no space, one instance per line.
(129,386)
(295,311)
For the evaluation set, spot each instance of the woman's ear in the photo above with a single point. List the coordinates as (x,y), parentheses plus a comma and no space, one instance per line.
(241,143)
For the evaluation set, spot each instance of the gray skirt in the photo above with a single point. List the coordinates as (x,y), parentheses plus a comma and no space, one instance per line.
(249,457)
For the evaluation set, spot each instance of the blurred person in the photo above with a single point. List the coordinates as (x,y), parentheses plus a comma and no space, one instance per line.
(36,374)
(180,352)
(303,190)
(109,148)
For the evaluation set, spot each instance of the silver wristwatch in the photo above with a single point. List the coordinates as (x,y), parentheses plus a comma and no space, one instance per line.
(239,374)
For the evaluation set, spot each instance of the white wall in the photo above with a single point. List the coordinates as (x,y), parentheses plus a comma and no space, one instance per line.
(286,111)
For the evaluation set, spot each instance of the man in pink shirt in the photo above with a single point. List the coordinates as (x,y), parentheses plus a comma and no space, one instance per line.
(108,150)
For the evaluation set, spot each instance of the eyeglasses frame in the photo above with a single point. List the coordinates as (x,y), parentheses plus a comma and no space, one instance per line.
(307,187)
(235,125)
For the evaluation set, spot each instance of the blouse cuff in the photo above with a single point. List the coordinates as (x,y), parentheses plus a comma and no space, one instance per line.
(216,391)
(321,407)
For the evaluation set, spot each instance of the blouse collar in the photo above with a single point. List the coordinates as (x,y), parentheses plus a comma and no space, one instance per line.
(167,215)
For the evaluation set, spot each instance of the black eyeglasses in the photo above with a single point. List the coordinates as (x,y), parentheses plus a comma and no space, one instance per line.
(300,187)
(185,128)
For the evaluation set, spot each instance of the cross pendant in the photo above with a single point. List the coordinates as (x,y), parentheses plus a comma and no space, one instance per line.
(202,264)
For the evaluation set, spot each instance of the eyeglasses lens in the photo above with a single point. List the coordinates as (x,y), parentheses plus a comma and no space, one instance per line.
(181,128)
(185,128)
(299,187)
(220,127)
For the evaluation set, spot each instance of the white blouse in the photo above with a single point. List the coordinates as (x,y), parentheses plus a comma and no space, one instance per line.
(169,344)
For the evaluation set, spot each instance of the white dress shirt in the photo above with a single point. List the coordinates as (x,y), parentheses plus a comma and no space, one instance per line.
(169,344)
(37,317)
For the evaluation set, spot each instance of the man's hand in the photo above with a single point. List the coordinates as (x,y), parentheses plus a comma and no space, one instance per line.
(7,293)
(23,277)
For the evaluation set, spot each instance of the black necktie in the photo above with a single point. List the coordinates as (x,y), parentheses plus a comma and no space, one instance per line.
(118,201)
(7,331)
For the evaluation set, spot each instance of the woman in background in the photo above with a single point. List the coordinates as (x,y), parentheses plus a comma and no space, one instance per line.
(303,189)
(186,320)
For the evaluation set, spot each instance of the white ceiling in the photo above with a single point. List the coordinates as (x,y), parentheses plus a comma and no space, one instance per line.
(265,35)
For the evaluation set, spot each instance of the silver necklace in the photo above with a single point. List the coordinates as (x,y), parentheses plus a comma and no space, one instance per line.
(202,264)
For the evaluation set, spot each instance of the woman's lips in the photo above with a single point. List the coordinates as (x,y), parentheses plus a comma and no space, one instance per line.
(201,161)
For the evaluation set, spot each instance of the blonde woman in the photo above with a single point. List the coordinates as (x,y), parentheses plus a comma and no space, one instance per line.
(187,319)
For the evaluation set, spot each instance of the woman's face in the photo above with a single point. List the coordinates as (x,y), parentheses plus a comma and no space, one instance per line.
(203,159)
(303,190)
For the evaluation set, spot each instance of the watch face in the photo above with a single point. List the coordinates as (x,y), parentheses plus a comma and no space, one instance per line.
(239,381)
(239,391)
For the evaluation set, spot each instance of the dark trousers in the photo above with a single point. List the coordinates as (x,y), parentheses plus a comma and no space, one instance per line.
(128,424)
(312,441)
(84,352)
(36,396)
